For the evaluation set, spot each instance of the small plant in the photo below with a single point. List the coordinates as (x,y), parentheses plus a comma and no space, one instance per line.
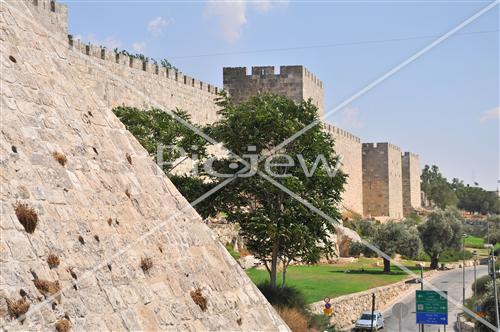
(53,261)
(199,299)
(63,325)
(129,158)
(110,221)
(46,287)
(27,216)
(146,264)
(60,158)
(17,308)
(80,238)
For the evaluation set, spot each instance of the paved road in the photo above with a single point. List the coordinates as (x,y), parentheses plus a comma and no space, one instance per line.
(450,281)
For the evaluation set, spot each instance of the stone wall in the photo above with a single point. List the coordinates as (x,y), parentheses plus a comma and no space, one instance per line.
(382,182)
(349,147)
(348,308)
(104,209)
(295,82)
(411,182)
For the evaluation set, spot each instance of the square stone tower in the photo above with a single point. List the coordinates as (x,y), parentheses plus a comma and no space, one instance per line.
(410,170)
(382,181)
(295,82)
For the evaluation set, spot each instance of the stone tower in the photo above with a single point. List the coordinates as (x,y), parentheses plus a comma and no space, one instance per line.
(411,182)
(295,82)
(382,183)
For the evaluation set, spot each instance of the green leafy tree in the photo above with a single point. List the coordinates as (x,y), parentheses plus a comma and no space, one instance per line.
(396,238)
(156,131)
(476,199)
(441,231)
(274,224)
(437,188)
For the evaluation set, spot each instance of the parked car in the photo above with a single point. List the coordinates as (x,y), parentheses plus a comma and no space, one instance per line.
(365,321)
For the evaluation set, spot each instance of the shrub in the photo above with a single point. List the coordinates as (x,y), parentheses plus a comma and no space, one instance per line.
(63,325)
(17,308)
(199,299)
(481,284)
(27,216)
(53,261)
(129,158)
(296,320)
(146,264)
(358,248)
(236,255)
(60,158)
(287,296)
(46,287)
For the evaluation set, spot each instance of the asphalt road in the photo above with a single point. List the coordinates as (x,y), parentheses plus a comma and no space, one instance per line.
(450,281)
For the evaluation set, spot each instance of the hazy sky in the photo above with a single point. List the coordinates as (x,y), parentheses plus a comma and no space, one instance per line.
(443,106)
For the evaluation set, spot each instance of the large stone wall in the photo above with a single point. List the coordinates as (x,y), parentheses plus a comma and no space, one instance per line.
(349,147)
(382,181)
(295,82)
(411,182)
(106,198)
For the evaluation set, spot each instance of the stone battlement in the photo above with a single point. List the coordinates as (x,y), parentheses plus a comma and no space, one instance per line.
(380,145)
(103,53)
(270,72)
(341,132)
(410,154)
(51,14)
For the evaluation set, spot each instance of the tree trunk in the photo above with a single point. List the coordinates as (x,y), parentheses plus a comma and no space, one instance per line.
(285,267)
(387,266)
(434,262)
(274,265)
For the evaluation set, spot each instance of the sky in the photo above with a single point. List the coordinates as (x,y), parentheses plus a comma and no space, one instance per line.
(443,106)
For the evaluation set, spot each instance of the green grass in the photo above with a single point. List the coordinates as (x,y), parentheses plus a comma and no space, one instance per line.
(474,242)
(236,255)
(320,281)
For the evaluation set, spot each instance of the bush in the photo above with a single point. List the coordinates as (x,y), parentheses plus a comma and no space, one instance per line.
(17,308)
(358,248)
(199,299)
(53,261)
(63,325)
(287,296)
(296,320)
(481,284)
(60,158)
(27,216)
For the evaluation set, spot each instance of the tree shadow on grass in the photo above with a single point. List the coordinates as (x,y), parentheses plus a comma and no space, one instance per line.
(370,272)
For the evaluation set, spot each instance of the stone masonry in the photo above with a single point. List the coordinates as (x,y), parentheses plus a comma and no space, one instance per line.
(382,183)
(295,82)
(411,182)
(100,194)
(348,147)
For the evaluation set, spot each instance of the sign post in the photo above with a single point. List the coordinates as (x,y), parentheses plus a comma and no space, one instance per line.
(432,308)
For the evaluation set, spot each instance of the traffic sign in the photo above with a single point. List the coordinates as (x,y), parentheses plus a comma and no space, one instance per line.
(432,308)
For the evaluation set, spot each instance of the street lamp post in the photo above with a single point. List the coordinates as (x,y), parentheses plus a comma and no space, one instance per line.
(474,255)
(463,268)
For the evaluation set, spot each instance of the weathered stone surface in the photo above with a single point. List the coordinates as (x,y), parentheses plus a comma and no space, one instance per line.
(57,99)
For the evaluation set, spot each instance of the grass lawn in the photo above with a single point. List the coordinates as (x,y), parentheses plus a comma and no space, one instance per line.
(477,243)
(319,281)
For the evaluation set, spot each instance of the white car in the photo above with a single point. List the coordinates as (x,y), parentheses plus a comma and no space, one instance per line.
(365,321)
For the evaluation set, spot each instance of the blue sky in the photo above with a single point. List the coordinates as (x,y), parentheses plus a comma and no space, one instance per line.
(444,106)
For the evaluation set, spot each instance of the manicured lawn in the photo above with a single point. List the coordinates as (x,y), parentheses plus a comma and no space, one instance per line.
(319,281)
(474,242)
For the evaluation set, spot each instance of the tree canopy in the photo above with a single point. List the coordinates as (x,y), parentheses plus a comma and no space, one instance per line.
(441,231)
(274,224)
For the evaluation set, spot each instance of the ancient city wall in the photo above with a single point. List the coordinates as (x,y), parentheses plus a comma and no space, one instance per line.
(382,183)
(296,82)
(104,196)
(411,182)
(349,147)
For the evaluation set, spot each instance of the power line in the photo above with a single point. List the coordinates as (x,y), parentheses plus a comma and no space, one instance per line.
(363,42)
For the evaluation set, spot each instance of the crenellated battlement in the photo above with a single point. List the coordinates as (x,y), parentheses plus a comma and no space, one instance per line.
(408,154)
(103,53)
(53,15)
(269,72)
(336,131)
(381,146)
